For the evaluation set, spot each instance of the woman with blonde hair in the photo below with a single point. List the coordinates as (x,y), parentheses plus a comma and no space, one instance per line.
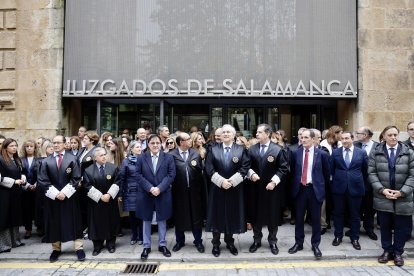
(197,140)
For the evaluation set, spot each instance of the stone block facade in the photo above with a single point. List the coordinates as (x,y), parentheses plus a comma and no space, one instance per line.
(31,60)
(31,54)
(386,63)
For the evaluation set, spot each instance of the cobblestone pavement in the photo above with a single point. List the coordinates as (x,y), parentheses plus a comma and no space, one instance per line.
(33,258)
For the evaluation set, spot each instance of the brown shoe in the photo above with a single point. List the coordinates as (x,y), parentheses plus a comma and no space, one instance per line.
(385,257)
(398,260)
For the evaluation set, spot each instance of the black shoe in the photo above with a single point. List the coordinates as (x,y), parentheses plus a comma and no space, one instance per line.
(96,251)
(295,248)
(164,250)
(216,251)
(385,257)
(255,245)
(337,241)
(6,251)
(232,249)
(356,245)
(274,249)
(372,235)
(111,249)
(200,247)
(145,253)
(348,233)
(177,247)
(54,256)
(132,242)
(81,255)
(398,260)
(323,231)
(317,252)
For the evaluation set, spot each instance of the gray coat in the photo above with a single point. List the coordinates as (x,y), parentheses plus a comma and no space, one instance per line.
(378,175)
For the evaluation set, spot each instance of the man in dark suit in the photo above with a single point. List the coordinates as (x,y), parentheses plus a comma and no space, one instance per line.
(59,176)
(365,142)
(311,174)
(187,191)
(410,130)
(268,168)
(226,165)
(292,150)
(349,167)
(101,182)
(156,173)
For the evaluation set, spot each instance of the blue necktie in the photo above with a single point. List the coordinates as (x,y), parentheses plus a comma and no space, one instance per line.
(347,159)
(262,150)
(102,170)
(154,163)
(392,158)
(227,153)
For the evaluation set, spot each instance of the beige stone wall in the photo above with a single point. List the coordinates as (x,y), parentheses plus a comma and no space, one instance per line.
(31,55)
(31,59)
(386,63)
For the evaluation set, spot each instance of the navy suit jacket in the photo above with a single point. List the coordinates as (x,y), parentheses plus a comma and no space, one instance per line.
(320,172)
(162,178)
(350,180)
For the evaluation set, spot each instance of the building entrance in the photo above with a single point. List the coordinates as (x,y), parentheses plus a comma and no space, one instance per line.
(117,116)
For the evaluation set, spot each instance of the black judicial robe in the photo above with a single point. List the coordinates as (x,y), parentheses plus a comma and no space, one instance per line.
(62,218)
(188,196)
(103,217)
(225,211)
(266,204)
(10,198)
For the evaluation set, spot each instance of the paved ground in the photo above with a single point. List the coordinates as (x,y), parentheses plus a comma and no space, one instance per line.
(34,250)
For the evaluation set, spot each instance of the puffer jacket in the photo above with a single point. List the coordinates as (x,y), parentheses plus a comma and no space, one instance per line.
(378,176)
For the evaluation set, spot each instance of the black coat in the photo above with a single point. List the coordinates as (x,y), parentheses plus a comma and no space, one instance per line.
(267,204)
(188,195)
(103,217)
(10,198)
(225,211)
(62,217)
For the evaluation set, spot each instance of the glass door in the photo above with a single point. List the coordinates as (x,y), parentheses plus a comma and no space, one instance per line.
(245,119)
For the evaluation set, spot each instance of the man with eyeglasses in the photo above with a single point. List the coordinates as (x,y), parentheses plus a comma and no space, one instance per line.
(365,142)
(155,173)
(187,193)
(59,177)
(410,141)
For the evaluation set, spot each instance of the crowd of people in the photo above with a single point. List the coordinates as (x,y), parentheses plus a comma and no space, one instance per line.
(73,188)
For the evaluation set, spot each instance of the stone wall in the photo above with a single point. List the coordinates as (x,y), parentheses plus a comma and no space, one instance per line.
(31,62)
(386,63)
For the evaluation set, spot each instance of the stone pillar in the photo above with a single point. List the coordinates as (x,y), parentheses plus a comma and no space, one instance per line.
(7,65)
(386,63)
(32,55)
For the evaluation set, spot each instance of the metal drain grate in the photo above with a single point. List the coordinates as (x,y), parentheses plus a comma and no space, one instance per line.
(146,268)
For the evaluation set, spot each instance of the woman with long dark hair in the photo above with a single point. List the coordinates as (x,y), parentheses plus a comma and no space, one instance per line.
(12,178)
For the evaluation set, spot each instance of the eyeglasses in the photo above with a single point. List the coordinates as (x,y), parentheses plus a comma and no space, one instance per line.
(172,143)
(57,143)
(359,133)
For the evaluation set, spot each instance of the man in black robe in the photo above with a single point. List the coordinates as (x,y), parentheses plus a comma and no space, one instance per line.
(187,191)
(268,168)
(58,177)
(101,182)
(226,165)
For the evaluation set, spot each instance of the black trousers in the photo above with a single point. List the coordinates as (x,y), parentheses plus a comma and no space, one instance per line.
(228,238)
(99,243)
(258,235)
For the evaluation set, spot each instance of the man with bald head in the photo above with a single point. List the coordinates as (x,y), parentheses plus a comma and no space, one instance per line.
(142,137)
(187,191)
